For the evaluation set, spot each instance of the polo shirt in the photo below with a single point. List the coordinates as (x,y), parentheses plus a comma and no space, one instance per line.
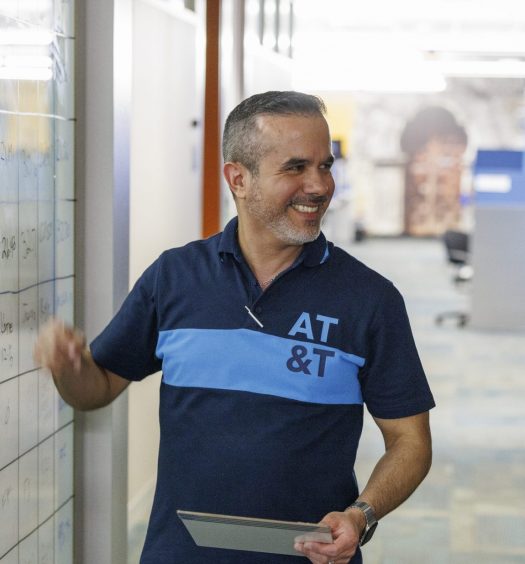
(262,393)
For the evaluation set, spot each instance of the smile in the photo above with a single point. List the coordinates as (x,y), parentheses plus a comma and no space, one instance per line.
(305,209)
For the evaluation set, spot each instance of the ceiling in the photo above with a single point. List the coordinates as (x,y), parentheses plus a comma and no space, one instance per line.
(496,18)
(407,44)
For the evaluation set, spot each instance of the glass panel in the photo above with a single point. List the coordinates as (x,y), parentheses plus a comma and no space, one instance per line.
(37,208)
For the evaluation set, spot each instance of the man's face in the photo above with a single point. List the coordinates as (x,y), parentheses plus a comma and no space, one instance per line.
(291,192)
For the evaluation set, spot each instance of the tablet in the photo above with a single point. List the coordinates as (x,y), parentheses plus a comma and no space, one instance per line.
(250,533)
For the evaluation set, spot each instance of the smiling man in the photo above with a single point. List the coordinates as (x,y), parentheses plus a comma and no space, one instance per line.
(270,340)
(288,190)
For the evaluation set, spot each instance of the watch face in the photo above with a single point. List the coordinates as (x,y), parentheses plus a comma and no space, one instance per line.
(368,534)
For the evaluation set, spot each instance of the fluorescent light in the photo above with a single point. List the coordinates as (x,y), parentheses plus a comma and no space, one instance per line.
(24,54)
(26,67)
(34,37)
(27,61)
(503,68)
(26,73)
(490,41)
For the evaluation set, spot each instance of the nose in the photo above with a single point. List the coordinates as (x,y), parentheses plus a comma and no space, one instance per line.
(319,182)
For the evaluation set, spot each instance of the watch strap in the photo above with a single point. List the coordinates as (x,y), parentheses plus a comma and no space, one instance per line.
(371,520)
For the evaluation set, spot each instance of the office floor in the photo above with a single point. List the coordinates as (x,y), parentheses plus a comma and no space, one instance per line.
(471,507)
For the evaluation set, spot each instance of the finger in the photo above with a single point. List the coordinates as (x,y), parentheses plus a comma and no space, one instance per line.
(320,552)
(55,345)
(340,551)
(59,347)
(314,558)
(75,355)
(67,351)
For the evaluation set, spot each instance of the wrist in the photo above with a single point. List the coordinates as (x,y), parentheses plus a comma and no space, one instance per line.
(368,520)
(358,518)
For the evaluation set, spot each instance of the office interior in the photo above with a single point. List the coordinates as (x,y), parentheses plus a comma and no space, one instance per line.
(113,110)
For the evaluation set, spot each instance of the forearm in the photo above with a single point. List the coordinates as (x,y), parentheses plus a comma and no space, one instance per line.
(401,469)
(395,477)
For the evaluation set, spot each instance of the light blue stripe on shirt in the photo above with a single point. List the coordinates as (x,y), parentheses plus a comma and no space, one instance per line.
(250,361)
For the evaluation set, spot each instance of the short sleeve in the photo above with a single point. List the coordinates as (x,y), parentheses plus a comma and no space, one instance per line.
(393,381)
(127,345)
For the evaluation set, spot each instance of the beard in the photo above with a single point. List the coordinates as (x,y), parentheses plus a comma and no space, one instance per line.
(280,224)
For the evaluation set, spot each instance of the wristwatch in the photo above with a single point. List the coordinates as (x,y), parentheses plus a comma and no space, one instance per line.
(371,521)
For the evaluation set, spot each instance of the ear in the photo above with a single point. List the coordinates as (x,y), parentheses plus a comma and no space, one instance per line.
(237,177)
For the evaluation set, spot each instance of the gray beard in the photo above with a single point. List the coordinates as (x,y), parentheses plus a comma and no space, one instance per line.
(282,227)
(290,235)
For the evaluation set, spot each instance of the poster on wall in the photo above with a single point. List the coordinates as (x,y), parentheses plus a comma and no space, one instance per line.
(434,144)
(412,154)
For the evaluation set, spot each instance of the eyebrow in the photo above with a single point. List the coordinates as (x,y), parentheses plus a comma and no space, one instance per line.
(296,161)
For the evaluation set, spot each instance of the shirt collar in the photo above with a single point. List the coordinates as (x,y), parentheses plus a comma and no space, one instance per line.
(314,253)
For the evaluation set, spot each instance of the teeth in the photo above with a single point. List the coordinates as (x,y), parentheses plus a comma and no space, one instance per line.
(305,209)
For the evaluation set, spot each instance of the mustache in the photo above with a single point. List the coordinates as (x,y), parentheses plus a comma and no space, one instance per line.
(315,200)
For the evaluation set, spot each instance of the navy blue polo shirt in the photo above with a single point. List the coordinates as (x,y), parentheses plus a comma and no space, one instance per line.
(261,411)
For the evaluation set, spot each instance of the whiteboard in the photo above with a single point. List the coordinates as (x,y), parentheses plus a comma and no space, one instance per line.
(37,207)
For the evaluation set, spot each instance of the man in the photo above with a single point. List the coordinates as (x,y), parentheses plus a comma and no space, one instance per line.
(269,339)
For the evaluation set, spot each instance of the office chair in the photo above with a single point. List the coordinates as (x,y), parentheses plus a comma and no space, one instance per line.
(457,250)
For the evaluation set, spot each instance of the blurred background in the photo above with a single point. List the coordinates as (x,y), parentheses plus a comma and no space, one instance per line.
(111,113)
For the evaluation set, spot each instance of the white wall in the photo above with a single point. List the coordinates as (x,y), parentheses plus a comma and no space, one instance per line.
(165,198)
(165,178)
(102,90)
(266,70)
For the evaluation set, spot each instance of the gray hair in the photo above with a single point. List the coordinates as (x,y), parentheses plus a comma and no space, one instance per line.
(241,141)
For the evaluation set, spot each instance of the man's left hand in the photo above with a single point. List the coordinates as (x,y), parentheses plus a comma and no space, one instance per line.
(345,532)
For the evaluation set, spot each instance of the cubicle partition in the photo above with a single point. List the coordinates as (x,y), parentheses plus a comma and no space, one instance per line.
(498,259)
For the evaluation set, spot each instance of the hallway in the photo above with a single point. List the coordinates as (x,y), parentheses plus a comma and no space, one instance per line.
(471,508)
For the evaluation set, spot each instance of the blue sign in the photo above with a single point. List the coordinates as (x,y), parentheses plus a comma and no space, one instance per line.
(499,178)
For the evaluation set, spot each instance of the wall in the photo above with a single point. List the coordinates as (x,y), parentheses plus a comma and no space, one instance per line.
(102,91)
(165,205)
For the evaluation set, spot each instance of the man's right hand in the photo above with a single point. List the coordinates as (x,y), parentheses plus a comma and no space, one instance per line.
(81,382)
(59,348)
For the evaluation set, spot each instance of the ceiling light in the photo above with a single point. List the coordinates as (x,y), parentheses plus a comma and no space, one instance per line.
(502,68)
(34,37)
(25,73)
